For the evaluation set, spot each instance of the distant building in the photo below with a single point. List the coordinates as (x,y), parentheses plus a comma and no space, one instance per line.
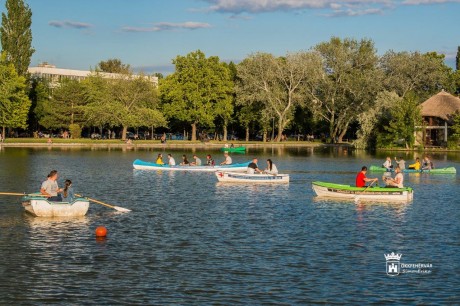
(55,75)
(437,113)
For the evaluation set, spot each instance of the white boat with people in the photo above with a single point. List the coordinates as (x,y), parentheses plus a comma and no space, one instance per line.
(145,165)
(235,177)
(40,206)
(380,194)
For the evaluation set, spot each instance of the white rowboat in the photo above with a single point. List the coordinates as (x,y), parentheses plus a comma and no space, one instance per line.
(379,194)
(41,207)
(143,165)
(235,177)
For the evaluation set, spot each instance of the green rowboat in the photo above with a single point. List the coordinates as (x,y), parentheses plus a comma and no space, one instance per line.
(234,149)
(332,190)
(447,170)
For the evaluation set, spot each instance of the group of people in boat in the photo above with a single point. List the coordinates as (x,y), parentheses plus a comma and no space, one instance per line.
(253,167)
(195,162)
(427,164)
(396,182)
(52,192)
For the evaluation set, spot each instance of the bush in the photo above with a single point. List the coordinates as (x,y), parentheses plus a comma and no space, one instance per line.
(452,143)
(75,131)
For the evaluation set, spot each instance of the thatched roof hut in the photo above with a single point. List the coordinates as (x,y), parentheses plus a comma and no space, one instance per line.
(442,105)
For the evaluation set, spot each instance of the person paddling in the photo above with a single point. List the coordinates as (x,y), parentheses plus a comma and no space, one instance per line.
(416,165)
(401,163)
(361,178)
(387,164)
(50,187)
(228,159)
(252,167)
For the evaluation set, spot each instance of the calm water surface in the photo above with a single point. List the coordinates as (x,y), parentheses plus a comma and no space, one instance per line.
(190,240)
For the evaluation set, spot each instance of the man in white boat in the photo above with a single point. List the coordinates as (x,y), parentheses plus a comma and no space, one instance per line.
(228,159)
(252,167)
(50,187)
(197,161)
(397,181)
(361,178)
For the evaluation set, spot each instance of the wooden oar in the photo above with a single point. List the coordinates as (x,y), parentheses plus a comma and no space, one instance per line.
(22,194)
(118,208)
(362,192)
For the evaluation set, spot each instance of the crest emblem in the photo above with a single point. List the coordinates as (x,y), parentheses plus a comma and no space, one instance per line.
(393,266)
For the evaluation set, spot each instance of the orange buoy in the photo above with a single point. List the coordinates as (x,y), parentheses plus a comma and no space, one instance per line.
(101,231)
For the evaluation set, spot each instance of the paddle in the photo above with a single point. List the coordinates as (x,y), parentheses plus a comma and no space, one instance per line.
(357,196)
(118,208)
(21,194)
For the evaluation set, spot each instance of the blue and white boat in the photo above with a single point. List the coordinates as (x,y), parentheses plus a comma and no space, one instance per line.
(232,177)
(144,165)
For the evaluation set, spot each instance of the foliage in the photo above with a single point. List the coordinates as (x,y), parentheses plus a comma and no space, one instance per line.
(14,103)
(277,83)
(39,94)
(456,126)
(349,81)
(127,101)
(75,131)
(457,59)
(422,74)
(66,106)
(16,35)
(199,90)
(405,116)
(113,65)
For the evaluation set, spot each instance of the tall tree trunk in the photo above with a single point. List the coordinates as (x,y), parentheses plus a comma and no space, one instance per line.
(341,135)
(264,137)
(193,132)
(151,134)
(280,130)
(3,133)
(247,133)
(225,130)
(123,134)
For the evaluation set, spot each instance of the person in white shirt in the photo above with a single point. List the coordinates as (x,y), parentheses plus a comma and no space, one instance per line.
(171,160)
(387,164)
(50,187)
(401,163)
(228,159)
(271,167)
(397,181)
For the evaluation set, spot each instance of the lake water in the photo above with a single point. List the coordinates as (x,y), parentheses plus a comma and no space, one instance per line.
(189,240)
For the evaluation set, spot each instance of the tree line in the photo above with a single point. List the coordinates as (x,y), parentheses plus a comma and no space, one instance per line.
(337,88)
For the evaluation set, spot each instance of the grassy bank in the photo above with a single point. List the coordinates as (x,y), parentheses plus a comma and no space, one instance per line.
(85,142)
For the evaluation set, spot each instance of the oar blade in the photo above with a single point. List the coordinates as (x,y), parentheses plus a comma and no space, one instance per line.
(121,209)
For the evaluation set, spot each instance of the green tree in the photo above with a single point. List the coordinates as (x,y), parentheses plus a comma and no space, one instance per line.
(457,59)
(199,90)
(39,94)
(277,83)
(127,101)
(113,65)
(422,74)
(16,34)
(14,103)
(349,82)
(405,116)
(65,107)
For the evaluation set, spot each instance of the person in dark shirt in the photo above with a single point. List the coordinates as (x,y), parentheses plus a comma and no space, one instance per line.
(252,167)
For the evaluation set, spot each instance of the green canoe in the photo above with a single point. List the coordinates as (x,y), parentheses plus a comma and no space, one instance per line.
(234,149)
(447,170)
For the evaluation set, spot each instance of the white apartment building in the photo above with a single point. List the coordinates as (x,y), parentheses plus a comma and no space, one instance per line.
(55,75)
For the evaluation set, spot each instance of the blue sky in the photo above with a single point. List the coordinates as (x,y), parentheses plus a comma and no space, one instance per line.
(148,34)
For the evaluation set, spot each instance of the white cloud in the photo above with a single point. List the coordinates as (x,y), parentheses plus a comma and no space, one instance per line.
(333,7)
(168,26)
(69,24)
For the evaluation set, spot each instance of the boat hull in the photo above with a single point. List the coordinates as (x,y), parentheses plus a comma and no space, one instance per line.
(447,170)
(330,190)
(233,177)
(235,149)
(41,207)
(143,165)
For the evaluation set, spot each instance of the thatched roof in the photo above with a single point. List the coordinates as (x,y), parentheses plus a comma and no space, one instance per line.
(442,105)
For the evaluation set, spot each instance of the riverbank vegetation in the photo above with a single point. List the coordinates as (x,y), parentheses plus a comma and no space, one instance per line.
(339,89)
